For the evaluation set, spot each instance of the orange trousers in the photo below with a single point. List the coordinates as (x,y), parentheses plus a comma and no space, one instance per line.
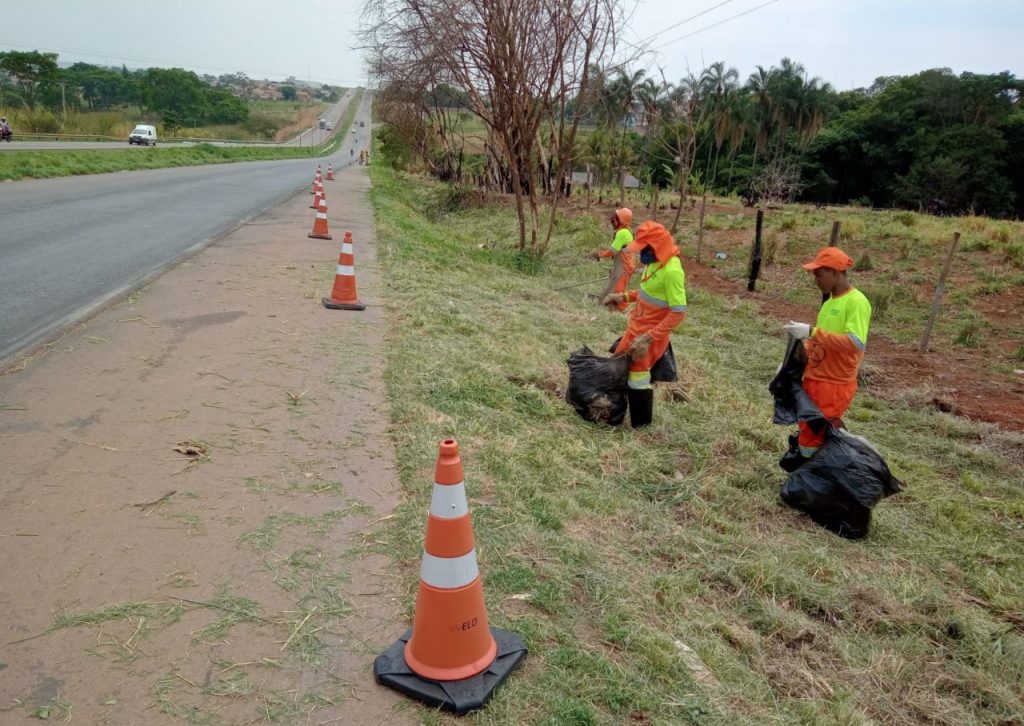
(833,399)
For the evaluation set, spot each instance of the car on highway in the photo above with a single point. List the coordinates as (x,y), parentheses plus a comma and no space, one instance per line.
(142,134)
(330,126)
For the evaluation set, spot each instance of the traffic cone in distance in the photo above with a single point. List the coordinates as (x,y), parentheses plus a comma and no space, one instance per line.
(343,295)
(451,657)
(318,195)
(320,223)
(330,173)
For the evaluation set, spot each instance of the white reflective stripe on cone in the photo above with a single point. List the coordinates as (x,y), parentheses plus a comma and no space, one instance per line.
(346,248)
(346,270)
(449,501)
(449,572)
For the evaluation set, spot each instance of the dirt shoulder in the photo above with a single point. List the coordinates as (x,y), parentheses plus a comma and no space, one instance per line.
(240,583)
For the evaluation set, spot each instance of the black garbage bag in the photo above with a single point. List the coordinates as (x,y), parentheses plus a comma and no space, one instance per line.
(841,483)
(792,404)
(597,386)
(664,370)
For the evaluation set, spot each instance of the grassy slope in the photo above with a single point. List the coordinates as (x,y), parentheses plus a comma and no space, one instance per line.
(16,165)
(654,576)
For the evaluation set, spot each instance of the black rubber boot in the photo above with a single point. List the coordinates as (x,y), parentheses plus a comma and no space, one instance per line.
(641,407)
(792,459)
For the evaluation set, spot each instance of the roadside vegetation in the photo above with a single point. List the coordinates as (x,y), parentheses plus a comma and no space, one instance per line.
(16,165)
(655,576)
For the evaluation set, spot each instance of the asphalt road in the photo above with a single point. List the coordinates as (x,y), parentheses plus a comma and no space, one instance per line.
(69,246)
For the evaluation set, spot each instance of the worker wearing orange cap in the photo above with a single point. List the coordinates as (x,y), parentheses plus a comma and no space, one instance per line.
(659,306)
(835,347)
(623,264)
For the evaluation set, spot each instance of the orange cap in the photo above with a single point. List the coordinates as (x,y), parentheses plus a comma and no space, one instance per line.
(625,216)
(831,257)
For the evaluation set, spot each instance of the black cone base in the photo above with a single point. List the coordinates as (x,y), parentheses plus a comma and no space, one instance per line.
(462,696)
(319,236)
(332,305)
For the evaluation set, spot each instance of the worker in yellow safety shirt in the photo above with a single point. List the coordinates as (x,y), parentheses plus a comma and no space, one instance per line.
(623,261)
(659,306)
(835,348)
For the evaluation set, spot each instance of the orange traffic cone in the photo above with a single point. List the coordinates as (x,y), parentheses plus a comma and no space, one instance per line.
(320,223)
(318,196)
(343,296)
(451,658)
(330,173)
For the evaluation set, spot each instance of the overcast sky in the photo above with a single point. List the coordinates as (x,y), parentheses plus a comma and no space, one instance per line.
(847,43)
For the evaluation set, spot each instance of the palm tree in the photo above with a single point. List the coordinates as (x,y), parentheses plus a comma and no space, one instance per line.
(719,85)
(623,91)
(759,87)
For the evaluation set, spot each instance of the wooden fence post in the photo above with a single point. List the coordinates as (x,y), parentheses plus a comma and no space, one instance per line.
(833,241)
(755,254)
(937,300)
(700,224)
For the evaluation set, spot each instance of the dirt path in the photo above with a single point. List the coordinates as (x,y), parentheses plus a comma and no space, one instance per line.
(238,584)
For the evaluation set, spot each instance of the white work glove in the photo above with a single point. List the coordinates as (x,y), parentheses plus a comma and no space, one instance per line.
(800,331)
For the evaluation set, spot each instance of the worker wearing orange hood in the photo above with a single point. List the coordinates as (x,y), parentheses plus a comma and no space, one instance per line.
(623,262)
(659,306)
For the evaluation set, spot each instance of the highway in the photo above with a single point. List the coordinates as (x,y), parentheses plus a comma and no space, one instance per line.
(69,246)
(309,137)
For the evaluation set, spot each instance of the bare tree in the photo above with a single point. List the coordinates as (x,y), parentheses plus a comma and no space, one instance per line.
(519,63)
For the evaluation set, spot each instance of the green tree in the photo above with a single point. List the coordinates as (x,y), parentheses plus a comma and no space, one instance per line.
(31,71)
(288,93)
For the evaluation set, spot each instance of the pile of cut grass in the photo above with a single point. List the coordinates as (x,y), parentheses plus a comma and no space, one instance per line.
(654,575)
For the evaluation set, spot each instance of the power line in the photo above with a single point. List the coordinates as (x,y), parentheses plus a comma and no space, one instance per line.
(715,25)
(683,22)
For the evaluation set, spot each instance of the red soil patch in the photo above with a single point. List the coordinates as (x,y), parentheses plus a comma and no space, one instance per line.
(959,382)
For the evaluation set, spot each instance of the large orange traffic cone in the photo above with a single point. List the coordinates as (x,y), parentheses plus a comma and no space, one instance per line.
(343,296)
(451,658)
(320,223)
(330,173)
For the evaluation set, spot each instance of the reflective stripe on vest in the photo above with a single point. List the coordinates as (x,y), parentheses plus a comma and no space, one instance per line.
(648,298)
(449,501)
(449,572)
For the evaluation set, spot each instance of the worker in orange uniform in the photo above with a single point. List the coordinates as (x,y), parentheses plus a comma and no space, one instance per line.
(658,307)
(835,348)
(623,262)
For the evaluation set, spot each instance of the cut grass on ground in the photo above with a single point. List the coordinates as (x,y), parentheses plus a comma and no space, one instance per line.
(654,575)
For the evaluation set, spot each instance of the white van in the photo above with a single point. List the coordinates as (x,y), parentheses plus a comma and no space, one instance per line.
(143,134)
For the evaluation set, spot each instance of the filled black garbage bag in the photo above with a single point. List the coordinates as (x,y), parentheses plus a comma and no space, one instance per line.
(597,386)
(840,484)
(792,404)
(664,370)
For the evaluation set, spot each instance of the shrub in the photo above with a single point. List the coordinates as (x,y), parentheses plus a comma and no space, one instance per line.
(975,223)
(907,247)
(880,299)
(969,333)
(788,223)
(852,227)
(1000,233)
(1014,254)
(907,219)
